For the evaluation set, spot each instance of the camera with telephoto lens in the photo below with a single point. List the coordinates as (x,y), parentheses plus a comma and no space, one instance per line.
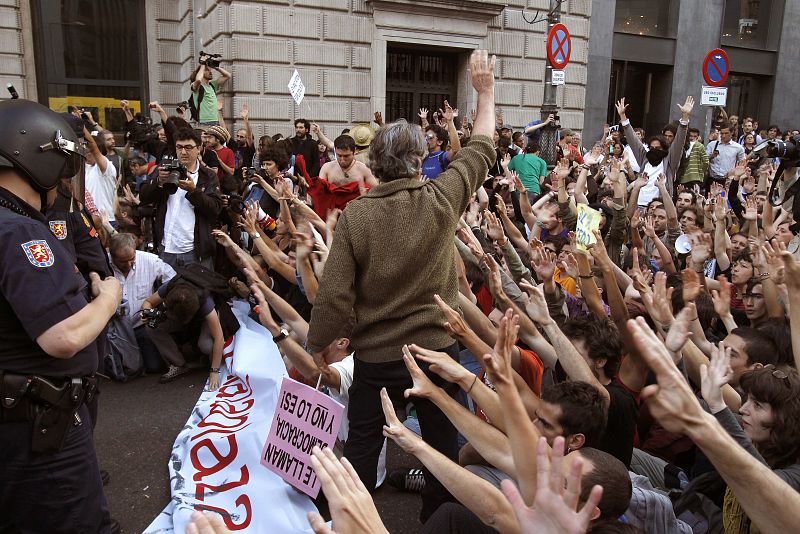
(236,203)
(142,130)
(248,172)
(786,151)
(212,60)
(182,107)
(153,317)
(177,172)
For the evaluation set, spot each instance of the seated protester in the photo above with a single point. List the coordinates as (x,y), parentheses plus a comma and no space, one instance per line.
(190,320)
(340,181)
(750,349)
(334,370)
(438,159)
(599,345)
(584,409)
(137,272)
(550,223)
(768,429)
(560,248)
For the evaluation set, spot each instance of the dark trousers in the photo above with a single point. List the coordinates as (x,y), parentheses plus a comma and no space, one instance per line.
(365,416)
(57,493)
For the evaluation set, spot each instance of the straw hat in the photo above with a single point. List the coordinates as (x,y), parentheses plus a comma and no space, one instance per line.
(363,134)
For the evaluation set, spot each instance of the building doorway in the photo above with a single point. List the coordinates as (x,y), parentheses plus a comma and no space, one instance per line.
(646,88)
(419,78)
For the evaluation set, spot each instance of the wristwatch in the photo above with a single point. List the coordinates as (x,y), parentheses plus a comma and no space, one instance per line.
(255,235)
(280,337)
(214,370)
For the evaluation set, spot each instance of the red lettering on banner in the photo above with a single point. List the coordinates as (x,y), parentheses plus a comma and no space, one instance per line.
(223,461)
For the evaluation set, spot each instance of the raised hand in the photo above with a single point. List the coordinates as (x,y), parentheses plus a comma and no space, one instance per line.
(244,112)
(222,239)
(722,297)
(264,313)
(621,109)
(351,506)
(773,263)
(422,385)
(687,107)
(598,250)
(702,245)
(481,69)
(672,401)
(442,364)
(494,228)
(395,430)
(449,113)
(680,330)
(542,262)
(649,227)
(536,307)
(750,208)
(553,510)
(498,363)
(378,118)
(715,375)
(563,169)
(569,265)
(659,302)
(691,285)
(455,325)
(641,180)
(423,113)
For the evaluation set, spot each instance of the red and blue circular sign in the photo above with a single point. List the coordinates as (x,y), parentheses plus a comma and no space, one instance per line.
(716,68)
(559,46)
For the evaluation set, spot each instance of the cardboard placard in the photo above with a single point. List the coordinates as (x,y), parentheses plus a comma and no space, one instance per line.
(588,220)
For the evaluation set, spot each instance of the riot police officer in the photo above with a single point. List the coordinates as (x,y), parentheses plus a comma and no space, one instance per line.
(49,478)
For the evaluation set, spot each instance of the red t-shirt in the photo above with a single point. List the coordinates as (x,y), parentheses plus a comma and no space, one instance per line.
(227,157)
(531,370)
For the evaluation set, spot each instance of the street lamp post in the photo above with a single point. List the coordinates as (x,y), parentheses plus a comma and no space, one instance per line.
(549,138)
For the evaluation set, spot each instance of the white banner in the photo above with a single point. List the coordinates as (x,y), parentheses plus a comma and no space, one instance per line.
(216,460)
(296,88)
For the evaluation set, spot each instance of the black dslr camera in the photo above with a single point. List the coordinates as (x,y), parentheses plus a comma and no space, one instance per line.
(177,172)
(212,60)
(153,317)
(236,203)
(789,154)
(142,130)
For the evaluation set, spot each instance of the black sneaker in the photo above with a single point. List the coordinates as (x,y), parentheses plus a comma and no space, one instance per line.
(412,480)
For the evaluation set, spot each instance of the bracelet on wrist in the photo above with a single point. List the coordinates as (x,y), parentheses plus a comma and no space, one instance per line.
(473,384)
(214,370)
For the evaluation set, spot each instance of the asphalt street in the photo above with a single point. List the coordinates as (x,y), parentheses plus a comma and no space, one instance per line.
(136,427)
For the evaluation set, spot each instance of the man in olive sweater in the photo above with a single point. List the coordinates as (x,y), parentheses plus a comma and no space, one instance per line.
(392,252)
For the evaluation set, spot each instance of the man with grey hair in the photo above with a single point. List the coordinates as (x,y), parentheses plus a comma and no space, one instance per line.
(392,252)
(138,272)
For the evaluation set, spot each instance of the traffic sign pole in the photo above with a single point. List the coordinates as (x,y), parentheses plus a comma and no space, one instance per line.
(716,68)
(548,140)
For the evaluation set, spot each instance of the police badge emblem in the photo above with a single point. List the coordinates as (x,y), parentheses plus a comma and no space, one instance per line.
(59,229)
(38,253)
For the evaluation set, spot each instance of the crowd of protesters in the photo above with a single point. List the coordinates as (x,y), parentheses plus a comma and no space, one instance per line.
(645,383)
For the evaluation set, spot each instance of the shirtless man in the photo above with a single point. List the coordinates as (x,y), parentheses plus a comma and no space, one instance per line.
(346,169)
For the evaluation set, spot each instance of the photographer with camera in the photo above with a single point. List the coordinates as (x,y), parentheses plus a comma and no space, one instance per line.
(203,103)
(188,203)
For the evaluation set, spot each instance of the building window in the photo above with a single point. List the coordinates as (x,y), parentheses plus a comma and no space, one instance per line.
(744,96)
(646,17)
(747,23)
(90,54)
(418,78)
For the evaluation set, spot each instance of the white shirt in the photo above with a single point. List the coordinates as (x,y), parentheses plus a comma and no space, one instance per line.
(628,151)
(345,368)
(138,285)
(179,223)
(650,191)
(103,187)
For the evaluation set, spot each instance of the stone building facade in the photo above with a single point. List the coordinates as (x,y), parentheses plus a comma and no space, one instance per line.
(340,48)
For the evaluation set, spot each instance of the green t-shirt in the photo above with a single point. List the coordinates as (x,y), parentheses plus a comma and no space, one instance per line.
(530,169)
(208,111)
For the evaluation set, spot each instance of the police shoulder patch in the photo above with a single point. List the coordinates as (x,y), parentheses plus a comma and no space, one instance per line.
(59,229)
(38,253)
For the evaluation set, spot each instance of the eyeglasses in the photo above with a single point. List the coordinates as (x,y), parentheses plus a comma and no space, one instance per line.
(777,373)
(184,148)
(430,136)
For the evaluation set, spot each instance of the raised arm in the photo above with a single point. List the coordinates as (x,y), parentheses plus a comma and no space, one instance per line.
(452,132)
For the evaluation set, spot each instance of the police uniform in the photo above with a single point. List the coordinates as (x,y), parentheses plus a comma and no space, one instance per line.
(49,477)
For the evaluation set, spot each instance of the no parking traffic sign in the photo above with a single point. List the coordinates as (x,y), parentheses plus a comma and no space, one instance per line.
(559,46)
(716,68)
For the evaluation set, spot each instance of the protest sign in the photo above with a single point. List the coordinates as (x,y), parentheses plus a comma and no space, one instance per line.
(588,220)
(303,418)
(296,88)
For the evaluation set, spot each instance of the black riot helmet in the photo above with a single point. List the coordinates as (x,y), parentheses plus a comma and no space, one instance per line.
(38,142)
